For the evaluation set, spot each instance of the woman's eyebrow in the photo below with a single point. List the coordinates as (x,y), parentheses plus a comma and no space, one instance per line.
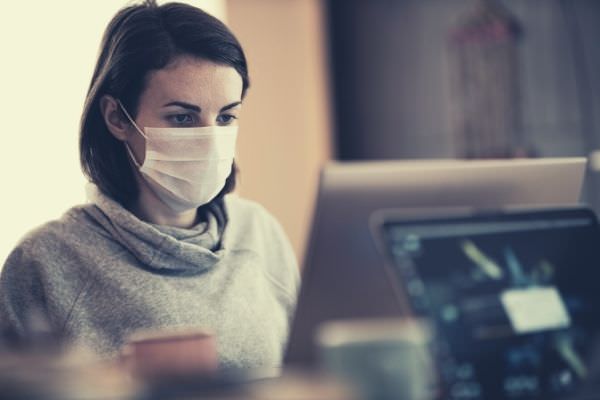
(230,106)
(183,105)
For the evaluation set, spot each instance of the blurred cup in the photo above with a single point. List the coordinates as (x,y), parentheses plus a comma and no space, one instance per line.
(171,353)
(379,358)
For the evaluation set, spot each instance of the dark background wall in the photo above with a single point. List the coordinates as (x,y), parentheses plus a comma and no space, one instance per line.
(390,76)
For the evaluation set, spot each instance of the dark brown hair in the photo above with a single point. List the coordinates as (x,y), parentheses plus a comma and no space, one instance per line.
(139,39)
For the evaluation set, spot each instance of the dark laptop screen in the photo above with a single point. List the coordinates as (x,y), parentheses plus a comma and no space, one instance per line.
(514,299)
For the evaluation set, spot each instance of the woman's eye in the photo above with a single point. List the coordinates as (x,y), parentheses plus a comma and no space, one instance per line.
(182,119)
(226,119)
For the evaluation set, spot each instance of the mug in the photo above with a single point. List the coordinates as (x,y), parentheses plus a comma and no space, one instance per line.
(379,358)
(171,353)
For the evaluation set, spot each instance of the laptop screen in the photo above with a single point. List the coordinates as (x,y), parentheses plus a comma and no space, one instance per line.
(514,299)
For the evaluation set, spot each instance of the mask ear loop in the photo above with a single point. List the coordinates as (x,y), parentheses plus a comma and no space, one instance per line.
(137,128)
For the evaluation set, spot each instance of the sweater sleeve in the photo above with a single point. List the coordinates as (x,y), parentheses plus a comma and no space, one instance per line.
(22,306)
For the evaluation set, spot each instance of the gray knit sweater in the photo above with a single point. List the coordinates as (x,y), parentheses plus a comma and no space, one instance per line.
(99,274)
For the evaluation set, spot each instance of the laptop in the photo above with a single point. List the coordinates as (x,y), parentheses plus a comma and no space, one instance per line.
(343,275)
(513,298)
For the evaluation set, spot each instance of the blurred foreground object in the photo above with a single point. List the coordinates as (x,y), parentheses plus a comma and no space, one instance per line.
(153,354)
(382,358)
(301,386)
(79,375)
(75,374)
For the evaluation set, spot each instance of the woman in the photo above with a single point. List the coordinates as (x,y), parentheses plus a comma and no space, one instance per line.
(159,245)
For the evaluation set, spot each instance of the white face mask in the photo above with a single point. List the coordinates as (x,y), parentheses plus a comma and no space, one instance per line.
(186,167)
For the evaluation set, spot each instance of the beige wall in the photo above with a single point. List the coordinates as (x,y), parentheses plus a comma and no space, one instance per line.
(217,8)
(285,124)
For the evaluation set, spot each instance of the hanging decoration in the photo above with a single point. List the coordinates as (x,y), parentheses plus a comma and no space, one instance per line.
(485,83)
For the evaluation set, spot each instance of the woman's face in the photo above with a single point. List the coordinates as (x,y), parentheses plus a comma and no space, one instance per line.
(189,92)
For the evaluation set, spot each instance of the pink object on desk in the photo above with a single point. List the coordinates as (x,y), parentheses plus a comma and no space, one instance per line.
(171,353)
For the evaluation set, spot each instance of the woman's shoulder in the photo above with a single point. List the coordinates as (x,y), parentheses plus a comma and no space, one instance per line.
(247,216)
(55,238)
(269,236)
(70,224)
(242,211)
(237,205)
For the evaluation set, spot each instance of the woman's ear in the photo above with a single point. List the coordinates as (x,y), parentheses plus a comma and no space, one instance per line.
(113,117)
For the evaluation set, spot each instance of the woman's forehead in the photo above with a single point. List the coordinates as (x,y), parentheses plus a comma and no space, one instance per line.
(196,81)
